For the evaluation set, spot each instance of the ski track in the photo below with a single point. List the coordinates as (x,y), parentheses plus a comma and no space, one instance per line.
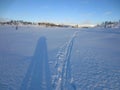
(63,79)
(38,75)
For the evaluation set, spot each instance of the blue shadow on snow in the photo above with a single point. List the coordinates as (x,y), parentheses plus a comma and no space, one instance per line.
(38,75)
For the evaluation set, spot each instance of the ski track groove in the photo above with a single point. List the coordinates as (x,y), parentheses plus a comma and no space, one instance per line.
(63,66)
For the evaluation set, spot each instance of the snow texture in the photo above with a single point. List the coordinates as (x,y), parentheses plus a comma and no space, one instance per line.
(38,58)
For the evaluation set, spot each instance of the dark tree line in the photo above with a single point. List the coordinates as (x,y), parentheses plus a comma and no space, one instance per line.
(16,22)
(109,24)
(51,24)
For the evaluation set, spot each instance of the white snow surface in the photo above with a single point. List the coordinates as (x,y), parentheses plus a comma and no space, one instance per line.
(61,58)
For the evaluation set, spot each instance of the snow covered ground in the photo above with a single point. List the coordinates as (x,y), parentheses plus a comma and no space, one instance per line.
(38,58)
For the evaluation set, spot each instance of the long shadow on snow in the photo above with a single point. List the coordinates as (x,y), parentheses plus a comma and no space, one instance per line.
(38,74)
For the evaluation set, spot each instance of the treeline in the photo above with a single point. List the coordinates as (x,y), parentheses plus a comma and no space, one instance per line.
(16,22)
(52,24)
(21,22)
(109,24)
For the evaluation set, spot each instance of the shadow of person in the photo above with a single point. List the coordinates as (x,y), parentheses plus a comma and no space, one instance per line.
(38,75)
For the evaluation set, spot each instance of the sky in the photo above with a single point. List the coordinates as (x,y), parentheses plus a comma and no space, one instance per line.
(61,11)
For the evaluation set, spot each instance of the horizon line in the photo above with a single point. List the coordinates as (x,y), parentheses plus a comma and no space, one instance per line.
(64,23)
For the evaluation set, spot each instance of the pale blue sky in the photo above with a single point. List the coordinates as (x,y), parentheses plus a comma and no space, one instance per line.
(61,11)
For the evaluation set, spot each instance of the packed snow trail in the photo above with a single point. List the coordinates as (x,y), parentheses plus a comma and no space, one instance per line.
(38,74)
(63,79)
